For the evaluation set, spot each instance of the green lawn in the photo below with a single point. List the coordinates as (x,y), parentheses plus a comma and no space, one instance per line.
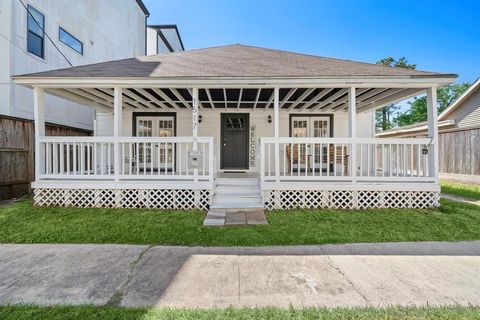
(115,313)
(24,223)
(466,190)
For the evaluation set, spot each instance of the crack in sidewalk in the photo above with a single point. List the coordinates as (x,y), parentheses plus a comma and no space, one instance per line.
(135,266)
(339,270)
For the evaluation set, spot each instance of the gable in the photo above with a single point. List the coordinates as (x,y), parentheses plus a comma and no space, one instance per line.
(467,114)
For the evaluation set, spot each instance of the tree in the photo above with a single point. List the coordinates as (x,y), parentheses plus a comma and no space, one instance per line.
(418,107)
(384,116)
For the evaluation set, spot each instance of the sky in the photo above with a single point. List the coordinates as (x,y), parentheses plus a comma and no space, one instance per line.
(441,35)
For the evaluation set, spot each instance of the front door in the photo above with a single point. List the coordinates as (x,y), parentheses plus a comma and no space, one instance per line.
(315,127)
(234,135)
(158,156)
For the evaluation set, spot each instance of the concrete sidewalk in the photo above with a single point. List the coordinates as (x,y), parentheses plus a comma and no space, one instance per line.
(459,199)
(436,273)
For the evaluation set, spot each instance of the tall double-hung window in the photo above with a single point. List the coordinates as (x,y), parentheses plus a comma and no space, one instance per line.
(36,32)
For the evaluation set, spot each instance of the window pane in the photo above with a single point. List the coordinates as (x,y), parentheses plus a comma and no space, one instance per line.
(35,44)
(35,21)
(234,123)
(71,41)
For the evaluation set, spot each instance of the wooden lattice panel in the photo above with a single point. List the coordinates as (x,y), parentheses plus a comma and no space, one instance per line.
(123,198)
(290,199)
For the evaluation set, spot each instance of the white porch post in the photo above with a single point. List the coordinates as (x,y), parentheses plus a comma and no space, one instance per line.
(276,119)
(39,125)
(117,127)
(432,115)
(352,131)
(195,127)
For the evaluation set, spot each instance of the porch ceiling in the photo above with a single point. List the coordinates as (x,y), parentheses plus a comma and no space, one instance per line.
(291,99)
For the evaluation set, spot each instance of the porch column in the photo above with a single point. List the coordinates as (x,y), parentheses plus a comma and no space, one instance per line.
(276,126)
(117,127)
(432,115)
(195,127)
(352,131)
(39,126)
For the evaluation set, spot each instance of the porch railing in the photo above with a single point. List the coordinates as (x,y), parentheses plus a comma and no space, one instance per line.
(331,159)
(161,158)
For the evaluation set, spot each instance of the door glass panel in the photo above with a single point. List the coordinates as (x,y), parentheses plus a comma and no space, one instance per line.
(165,129)
(320,128)
(234,123)
(144,129)
(300,128)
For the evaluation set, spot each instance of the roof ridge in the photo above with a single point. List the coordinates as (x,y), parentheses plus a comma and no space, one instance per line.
(331,58)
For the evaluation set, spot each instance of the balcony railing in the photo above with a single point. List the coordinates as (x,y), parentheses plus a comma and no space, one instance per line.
(332,159)
(159,158)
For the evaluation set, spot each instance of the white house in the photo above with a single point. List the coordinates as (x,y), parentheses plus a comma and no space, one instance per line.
(39,35)
(236,127)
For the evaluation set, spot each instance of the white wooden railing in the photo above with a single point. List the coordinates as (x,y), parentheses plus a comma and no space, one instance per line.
(332,159)
(161,158)
(164,158)
(393,159)
(77,157)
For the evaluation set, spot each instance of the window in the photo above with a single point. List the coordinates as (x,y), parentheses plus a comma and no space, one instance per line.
(70,41)
(35,36)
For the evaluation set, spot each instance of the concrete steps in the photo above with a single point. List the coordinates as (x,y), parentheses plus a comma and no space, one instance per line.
(237,194)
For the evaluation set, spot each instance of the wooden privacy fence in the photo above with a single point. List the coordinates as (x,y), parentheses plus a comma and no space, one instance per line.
(459,152)
(17,153)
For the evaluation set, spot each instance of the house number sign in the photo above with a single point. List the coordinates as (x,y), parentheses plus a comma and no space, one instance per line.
(253,147)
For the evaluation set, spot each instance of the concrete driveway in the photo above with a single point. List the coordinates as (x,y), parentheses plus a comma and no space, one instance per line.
(436,273)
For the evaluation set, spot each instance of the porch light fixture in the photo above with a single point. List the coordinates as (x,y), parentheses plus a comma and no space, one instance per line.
(200,119)
(425,150)
(269,119)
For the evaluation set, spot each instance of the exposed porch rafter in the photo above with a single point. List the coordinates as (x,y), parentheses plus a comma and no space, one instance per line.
(295,99)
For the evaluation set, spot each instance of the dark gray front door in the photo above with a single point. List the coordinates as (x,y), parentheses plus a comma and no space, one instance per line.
(234,135)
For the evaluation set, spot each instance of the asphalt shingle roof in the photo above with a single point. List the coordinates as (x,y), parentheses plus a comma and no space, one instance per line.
(232,61)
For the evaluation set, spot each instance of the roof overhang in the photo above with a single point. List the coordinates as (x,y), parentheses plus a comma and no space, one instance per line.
(143,7)
(419,128)
(257,82)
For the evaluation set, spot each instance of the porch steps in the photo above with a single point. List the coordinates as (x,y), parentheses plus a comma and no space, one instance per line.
(237,194)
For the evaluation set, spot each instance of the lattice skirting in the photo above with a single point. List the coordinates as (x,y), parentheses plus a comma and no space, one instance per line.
(123,198)
(290,199)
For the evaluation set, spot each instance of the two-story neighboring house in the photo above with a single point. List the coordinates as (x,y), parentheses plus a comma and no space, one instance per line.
(163,38)
(40,35)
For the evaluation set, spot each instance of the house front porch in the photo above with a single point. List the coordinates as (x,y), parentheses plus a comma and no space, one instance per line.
(298,129)
(205,153)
